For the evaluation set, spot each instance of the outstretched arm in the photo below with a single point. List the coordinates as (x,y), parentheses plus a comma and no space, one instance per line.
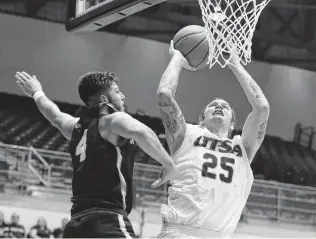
(62,121)
(255,126)
(32,87)
(171,114)
(122,124)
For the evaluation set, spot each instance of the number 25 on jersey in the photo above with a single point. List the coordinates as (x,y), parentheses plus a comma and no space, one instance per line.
(82,146)
(225,164)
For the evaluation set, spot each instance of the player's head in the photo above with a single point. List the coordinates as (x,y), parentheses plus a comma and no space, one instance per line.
(218,114)
(99,87)
(15,218)
(41,222)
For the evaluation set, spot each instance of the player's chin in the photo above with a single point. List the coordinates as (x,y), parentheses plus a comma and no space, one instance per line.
(217,118)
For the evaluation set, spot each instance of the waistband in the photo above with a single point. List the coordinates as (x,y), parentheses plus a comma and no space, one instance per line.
(85,206)
(193,231)
(95,211)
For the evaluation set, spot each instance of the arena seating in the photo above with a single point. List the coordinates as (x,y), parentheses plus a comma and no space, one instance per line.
(22,124)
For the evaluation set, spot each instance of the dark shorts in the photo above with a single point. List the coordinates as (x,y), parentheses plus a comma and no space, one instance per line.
(98,223)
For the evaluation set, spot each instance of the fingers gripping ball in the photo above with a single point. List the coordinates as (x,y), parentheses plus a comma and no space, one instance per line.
(191,41)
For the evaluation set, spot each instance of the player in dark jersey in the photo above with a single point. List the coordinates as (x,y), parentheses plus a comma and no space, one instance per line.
(102,142)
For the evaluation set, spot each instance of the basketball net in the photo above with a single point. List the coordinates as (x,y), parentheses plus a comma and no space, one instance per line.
(229,26)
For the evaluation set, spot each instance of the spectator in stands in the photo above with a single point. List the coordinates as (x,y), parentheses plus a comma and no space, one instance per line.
(3,226)
(40,230)
(15,229)
(58,232)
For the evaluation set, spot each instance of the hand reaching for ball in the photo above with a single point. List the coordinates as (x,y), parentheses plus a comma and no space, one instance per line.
(175,53)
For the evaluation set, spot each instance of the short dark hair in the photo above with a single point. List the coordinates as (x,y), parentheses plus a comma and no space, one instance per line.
(232,121)
(91,83)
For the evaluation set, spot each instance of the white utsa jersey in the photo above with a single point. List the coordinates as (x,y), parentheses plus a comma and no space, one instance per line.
(212,182)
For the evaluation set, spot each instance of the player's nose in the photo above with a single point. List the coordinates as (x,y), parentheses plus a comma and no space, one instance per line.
(123,96)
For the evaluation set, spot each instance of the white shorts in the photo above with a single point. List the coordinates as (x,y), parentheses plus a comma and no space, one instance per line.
(181,231)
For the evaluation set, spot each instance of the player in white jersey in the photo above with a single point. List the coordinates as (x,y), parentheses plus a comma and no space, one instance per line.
(213,176)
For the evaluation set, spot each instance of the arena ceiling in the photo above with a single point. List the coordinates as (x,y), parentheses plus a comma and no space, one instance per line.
(285,32)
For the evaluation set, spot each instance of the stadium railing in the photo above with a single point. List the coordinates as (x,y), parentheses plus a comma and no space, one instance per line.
(44,173)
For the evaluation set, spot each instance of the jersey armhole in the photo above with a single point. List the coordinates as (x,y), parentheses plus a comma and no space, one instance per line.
(73,128)
(185,139)
(237,138)
(76,121)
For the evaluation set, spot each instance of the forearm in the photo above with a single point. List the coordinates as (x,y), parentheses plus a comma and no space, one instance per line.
(149,142)
(252,90)
(169,80)
(48,108)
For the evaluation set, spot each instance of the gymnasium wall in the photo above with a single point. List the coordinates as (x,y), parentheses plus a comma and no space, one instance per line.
(58,58)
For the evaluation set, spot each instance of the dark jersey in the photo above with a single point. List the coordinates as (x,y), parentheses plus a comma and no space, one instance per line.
(102,172)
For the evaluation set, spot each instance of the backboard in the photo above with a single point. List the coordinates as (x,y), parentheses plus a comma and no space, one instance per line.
(91,15)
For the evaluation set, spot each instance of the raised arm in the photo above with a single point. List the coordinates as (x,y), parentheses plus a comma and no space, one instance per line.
(171,115)
(32,87)
(122,124)
(255,126)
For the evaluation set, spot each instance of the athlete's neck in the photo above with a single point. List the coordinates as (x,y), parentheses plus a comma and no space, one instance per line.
(104,109)
(219,131)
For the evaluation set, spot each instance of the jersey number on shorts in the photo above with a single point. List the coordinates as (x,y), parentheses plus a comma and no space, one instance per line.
(81,147)
(225,164)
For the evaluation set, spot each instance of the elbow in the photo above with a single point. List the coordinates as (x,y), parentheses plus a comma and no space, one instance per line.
(266,107)
(164,92)
(261,104)
(164,95)
(263,108)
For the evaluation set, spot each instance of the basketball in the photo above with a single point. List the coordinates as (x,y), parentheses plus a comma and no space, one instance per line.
(191,41)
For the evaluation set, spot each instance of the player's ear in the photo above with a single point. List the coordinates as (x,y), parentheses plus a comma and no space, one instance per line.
(230,131)
(104,99)
(231,124)
(201,120)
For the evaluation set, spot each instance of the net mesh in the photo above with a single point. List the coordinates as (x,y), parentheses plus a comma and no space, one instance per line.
(230,25)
